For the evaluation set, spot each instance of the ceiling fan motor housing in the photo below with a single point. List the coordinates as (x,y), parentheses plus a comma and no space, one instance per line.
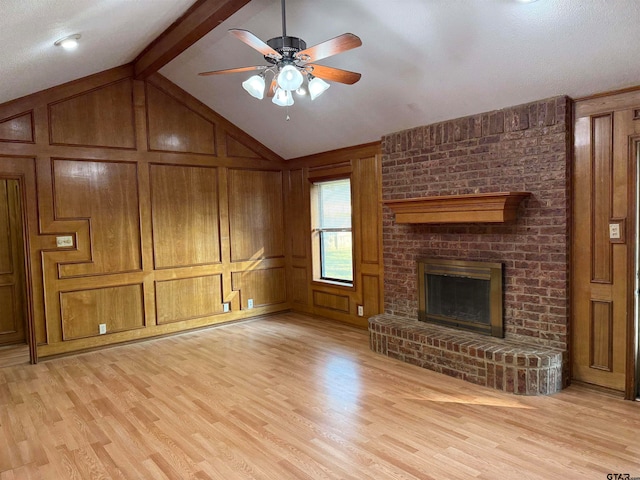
(285,46)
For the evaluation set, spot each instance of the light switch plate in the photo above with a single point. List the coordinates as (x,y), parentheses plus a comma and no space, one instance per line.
(64,241)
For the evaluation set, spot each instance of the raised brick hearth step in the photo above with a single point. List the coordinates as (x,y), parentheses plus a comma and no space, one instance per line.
(502,364)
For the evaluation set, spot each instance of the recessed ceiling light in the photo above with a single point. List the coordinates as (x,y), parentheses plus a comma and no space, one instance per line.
(68,43)
(526,1)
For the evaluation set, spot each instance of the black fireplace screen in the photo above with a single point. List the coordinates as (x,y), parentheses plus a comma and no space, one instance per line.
(461,298)
(459,294)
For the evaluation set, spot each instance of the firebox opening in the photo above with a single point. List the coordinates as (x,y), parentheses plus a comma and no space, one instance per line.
(461,294)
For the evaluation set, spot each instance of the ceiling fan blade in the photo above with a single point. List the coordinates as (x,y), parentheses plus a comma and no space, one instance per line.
(234,70)
(334,74)
(254,42)
(336,45)
(272,88)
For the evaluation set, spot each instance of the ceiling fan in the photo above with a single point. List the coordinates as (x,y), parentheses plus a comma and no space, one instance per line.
(290,62)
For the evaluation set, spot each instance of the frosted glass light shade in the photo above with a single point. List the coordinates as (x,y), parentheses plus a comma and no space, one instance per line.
(283,98)
(290,78)
(316,87)
(68,43)
(255,86)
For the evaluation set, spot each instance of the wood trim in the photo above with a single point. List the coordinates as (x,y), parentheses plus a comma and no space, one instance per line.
(632,373)
(603,104)
(474,208)
(202,17)
(330,172)
(609,93)
(340,155)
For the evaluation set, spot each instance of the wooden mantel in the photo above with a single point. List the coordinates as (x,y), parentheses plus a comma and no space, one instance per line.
(473,208)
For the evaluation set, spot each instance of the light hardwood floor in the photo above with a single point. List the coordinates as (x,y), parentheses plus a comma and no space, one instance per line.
(293,397)
(14,355)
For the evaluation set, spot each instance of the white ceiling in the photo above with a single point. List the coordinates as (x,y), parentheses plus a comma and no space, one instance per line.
(422,61)
(113,33)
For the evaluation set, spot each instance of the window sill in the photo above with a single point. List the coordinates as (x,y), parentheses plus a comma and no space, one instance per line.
(332,283)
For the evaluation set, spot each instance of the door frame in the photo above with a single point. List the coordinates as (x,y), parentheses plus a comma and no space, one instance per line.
(633,369)
(22,169)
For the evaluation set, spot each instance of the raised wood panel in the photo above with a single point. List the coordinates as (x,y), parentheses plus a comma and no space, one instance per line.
(106,193)
(297,216)
(120,308)
(17,129)
(174,127)
(235,148)
(299,285)
(6,259)
(185,215)
(331,301)
(12,281)
(601,193)
(99,118)
(265,287)
(371,295)
(369,188)
(188,298)
(601,344)
(8,314)
(256,220)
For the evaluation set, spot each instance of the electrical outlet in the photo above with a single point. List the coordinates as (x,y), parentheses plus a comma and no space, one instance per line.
(614,231)
(225,307)
(64,241)
(250,303)
(360,311)
(103,328)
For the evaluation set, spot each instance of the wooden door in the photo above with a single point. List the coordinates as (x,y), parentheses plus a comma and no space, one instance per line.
(12,282)
(603,240)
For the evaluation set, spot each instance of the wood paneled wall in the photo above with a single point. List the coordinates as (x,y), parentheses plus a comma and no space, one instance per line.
(172,211)
(363,165)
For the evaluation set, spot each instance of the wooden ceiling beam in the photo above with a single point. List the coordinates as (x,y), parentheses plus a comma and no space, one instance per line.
(202,17)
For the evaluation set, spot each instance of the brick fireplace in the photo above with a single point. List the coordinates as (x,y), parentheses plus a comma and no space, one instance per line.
(525,148)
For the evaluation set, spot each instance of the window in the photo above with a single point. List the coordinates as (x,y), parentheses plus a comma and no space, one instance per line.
(331,231)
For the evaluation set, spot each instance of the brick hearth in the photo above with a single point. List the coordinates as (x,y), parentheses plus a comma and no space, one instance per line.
(505,365)
(525,148)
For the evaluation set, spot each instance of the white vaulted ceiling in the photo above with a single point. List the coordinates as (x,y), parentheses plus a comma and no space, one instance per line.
(113,33)
(422,61)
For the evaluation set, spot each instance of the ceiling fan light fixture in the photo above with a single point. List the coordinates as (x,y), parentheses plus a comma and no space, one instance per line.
(255,86)
(282,98)
(290,78)
(317,87)
(290,61)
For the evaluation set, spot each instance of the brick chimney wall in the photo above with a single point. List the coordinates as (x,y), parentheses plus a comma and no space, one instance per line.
(522,148)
